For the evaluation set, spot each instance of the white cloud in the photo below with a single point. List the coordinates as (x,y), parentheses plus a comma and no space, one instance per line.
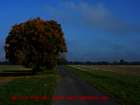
(94,16)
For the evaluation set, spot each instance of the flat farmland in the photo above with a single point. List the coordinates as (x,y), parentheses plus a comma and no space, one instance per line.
(121,69)
(40,84)
(119,81)
(8,68)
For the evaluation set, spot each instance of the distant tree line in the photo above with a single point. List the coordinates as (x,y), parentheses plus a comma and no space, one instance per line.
(121,62)
(4,63)
(64,61)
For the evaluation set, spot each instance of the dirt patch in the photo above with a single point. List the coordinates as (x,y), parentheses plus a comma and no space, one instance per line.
(5,80)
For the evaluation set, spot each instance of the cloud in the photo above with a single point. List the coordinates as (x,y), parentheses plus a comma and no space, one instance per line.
(99,16)
(94,16)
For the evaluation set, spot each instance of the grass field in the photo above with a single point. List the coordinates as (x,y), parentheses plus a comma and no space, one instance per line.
(42,84)
(120,81)
(13,68)
(121,69)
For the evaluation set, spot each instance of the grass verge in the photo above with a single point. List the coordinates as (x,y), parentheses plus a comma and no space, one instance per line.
(124,87)
(42,84)
(4,68)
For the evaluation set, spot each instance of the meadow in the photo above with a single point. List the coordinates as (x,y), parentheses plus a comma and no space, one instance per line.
(41,84)
(8,68)
(119,81)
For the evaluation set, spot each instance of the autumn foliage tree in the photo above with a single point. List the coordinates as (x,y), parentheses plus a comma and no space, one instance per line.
(35,42)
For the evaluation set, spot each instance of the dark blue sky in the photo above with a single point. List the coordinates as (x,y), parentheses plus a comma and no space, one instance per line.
(94,29)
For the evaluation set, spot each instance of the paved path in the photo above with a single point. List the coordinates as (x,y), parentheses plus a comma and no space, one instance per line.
(70,85)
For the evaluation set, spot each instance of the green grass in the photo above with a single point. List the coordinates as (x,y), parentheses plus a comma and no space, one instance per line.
(42,84)
(124,87)
(12,68)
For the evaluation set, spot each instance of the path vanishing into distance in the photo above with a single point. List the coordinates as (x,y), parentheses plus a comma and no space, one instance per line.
(71,85)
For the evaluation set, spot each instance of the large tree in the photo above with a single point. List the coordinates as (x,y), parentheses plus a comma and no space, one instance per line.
(35,42)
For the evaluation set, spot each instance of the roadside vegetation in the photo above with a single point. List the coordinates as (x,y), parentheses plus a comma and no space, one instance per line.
(125,87)
(41,84)
(8,68)
(38,45)
(35,43)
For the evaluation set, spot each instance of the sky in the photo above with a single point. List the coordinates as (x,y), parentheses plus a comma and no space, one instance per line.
(95,30)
